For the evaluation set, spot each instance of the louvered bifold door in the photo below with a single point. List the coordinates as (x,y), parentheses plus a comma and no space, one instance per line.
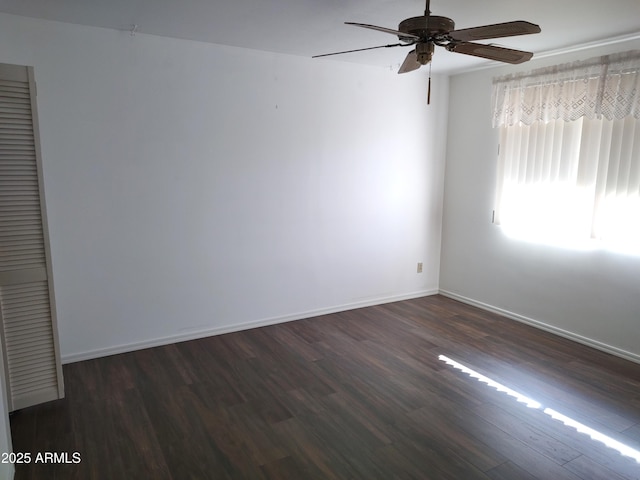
(33,372)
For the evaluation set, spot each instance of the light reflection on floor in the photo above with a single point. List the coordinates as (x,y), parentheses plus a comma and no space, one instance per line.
(620,447)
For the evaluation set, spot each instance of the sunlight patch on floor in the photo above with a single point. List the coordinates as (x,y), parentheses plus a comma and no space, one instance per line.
(620,447)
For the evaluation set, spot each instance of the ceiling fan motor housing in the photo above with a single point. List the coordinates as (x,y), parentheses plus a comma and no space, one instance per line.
(425,27)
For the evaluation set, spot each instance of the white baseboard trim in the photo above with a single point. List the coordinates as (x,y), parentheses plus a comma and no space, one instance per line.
(543,326)
(183,337)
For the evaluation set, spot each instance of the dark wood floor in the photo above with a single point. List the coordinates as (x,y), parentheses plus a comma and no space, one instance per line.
(354,395)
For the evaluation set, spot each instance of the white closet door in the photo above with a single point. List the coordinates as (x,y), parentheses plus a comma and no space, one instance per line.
(33,371)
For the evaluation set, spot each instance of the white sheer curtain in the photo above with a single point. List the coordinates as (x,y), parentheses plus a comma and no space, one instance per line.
(569,162)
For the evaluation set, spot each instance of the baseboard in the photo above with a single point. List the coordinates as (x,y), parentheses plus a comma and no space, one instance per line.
(193,335)
(543,326)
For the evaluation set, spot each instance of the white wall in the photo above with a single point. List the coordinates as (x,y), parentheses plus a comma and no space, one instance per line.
(592,296)
(194,188)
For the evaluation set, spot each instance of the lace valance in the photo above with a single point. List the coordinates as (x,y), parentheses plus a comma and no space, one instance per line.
(607,86)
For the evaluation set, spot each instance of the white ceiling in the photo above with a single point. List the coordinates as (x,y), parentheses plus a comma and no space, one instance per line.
(309,27)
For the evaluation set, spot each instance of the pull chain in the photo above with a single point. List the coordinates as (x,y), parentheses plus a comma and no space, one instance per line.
(429,87)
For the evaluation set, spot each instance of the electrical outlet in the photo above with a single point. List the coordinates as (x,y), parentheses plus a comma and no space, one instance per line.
(419,267)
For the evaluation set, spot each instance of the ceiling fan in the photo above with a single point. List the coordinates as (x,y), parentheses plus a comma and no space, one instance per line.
(429,30)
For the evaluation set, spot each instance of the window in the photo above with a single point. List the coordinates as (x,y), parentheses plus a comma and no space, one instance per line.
(569,158)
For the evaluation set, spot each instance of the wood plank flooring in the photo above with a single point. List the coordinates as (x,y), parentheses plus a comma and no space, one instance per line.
(354,395)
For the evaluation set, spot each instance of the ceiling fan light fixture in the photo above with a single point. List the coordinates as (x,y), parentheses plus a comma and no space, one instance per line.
(424,52)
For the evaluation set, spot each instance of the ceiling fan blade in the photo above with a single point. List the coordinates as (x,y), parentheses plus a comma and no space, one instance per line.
(404,37)
(498,30)
(490,52)
(410,63)
(360,50)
